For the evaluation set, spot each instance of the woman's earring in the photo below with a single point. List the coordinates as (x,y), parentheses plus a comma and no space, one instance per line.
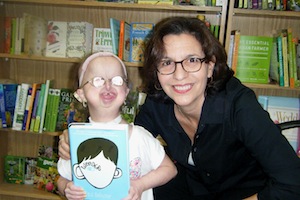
(157,87)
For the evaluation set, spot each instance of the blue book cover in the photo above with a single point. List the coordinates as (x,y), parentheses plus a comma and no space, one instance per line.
(138,35)
(283,109)
(115,34)
(8,94)
(100,160)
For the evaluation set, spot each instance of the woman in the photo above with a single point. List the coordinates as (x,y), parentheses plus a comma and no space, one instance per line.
(225,145)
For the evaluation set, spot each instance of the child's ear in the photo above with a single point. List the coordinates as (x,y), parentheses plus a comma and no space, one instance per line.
(79,95)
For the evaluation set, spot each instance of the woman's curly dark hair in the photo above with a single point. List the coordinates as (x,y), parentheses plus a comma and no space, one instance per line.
(212,48)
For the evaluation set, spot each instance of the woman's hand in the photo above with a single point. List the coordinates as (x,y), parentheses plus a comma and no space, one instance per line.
(64,146)
(73,192)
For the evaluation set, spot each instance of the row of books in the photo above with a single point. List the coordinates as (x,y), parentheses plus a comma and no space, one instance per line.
(289,5)
(170,2)
(33,35)
(263,59)
(284,109)
(40,171)
(38,107)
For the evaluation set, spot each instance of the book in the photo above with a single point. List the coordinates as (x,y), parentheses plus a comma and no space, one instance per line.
(280,61)
(13,35)
(46,174)
(30,103)
(102,40)
(44,104)
(56,39)
(129,108)
(8,94)
(284,42)
(254,55)
(230,49)
(69,110)
(35,35)
(37,120)
(115,34)
(291,67)
(30,168)
(108,151)
(51,109)
(124,41)
(14,167)
(20,106)
(7,34)
(283,109)
(237,35)
(79,39)
(274,64)
(138,35)
(34,110)
(19,36)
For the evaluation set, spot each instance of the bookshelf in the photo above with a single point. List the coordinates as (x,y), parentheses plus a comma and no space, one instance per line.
(30,69)
(261,23)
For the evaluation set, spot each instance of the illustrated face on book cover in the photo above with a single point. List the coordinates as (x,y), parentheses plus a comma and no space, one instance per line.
(97,162)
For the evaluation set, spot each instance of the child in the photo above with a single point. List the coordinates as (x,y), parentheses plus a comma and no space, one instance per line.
(103,89)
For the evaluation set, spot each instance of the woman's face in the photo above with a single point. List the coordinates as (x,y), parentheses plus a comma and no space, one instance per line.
(183,87)
(108,96)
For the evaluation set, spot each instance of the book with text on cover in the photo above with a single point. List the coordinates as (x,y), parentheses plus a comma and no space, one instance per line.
(100,160)
(102,40)
(253,59)
(283,109)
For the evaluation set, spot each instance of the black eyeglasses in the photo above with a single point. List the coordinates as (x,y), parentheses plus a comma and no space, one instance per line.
(99,81)
(191,64)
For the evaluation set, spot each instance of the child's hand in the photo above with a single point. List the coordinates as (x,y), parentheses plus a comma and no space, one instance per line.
(135,190)
(73,192)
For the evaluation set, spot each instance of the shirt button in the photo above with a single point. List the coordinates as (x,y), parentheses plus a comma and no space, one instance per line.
(197,136)
(195,149)
(207,174)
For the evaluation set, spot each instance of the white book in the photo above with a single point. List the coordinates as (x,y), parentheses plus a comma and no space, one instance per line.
(79,39)
(56,39)
(102,40)
(20,106)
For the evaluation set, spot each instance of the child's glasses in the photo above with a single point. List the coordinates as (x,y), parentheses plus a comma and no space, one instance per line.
(99,81)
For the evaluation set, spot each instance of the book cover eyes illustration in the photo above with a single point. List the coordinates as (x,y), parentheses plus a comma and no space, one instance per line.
(99,158)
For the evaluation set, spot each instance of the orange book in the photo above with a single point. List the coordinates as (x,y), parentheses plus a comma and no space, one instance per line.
(121,39)
(235,50)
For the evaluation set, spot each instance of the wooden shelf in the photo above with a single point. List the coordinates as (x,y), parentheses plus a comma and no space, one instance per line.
(257,12)
(119,5)
(52,59)
(26,191)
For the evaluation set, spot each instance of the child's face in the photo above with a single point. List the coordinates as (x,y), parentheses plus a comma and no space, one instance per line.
(108,97)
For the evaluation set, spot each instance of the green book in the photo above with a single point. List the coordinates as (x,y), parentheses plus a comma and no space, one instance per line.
(254,56)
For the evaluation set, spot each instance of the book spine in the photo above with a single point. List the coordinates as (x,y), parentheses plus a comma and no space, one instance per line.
(285,58)
(2,107)
(290,58)
(48,85)
(280,61)
(235,50)
(55,104)
(20,107)
(49,108)
(121,39)
(28,100)
(34,110)
(9,100)
(115,29)
(230,50)
(39,109)
(13,35)
(35,87)
(7,38)
(126,44)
